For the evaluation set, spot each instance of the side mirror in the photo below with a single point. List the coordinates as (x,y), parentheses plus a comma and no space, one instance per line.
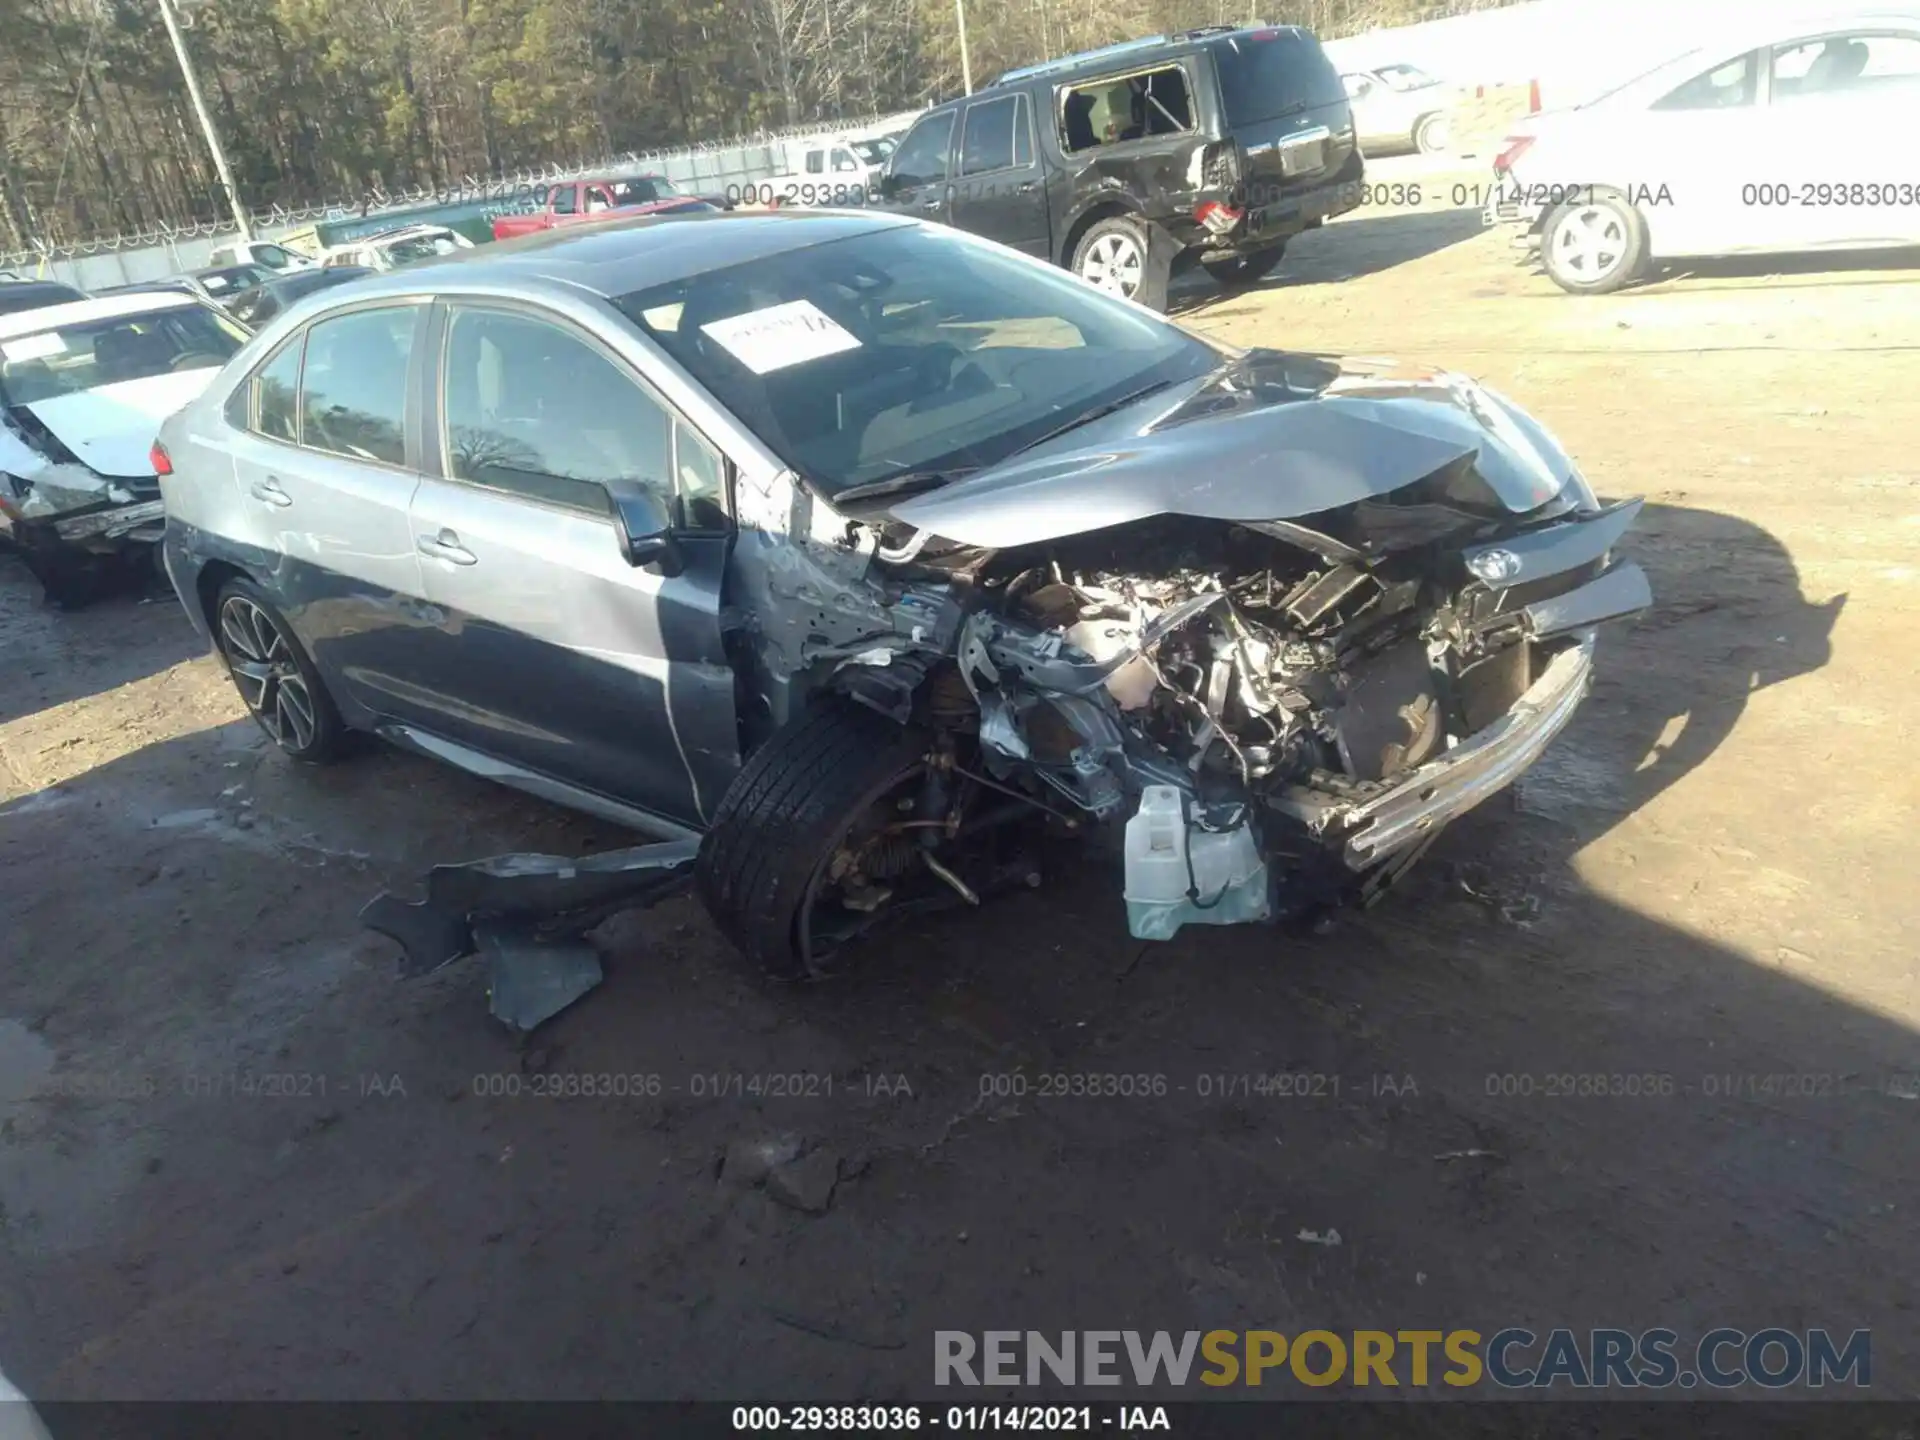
(645,522)
(889,184)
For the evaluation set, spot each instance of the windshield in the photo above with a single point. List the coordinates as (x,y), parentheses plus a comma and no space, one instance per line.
(89,354)
(642,191)
(1269,73)
(907,350)
(1405,77)
(872,152)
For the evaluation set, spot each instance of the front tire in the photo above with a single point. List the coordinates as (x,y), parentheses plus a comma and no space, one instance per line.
(793,808)
(1594,245)
(1116,255)
(274,675)
(1245,269)
(1431,135)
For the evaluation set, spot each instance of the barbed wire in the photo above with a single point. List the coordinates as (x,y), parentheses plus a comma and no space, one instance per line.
(380,199)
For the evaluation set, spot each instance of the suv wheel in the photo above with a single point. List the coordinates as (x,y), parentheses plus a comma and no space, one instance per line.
(274,676)
(1245,269)
(1115,256)
(1430,136)
(1594,245)
(808,809)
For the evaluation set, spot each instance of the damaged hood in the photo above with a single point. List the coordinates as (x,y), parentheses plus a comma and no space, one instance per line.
(1273,436)
(111,428)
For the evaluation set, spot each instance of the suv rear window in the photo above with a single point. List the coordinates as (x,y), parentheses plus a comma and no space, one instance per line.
(1269,73)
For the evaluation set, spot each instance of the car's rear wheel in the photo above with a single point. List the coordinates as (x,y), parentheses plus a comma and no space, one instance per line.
(274,675)
(1245,269)
(1431,135)
(1595,243)
(804,843)
(1115,255)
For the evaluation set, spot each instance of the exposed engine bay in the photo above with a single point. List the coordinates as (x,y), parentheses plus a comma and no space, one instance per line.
(1234,695)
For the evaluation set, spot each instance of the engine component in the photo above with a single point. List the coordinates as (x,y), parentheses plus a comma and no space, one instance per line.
(1180,872)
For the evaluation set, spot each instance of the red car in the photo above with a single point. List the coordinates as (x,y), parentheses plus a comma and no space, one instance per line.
(575,202)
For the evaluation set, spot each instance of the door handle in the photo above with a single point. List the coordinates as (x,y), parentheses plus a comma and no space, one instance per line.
(1026,187)
(446,546)
(269,490)
(933,202)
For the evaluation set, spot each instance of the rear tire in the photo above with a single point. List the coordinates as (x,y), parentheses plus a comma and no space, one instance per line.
(783,818)
(1431,135)
(275,676)
(1594,245)
(1245,269)
(1116,255)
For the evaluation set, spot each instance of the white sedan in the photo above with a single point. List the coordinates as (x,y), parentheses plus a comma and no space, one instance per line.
(1774,137)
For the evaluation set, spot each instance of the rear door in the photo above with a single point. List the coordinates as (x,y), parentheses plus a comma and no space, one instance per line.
(326,464)
(919,172)
(1282,101)
(1692,159)
(1000,192)
(557,655)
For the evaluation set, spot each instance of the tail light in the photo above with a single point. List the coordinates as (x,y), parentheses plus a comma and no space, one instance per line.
(158,458)
(1533,97)
(1515,147)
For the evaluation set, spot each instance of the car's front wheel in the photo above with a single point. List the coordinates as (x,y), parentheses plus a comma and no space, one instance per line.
(274,675)
(811,839)
(1594,244)
(1245,269)
(1431,135)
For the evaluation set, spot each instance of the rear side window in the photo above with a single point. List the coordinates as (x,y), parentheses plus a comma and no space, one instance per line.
(563,201)
(1270,73)
(1127,107)
(353,392)
(276,394)
(1724,87)
(996,136)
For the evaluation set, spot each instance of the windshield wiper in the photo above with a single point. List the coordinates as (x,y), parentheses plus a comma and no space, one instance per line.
(911,483)
(1099,412)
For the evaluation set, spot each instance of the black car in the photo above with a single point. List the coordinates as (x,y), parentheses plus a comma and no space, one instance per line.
(1128,164)
(274,296)
(19,295)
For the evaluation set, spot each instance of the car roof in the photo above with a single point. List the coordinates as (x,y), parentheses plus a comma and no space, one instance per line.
(104,307)
(619,256)
(1693,40)
(1108,56)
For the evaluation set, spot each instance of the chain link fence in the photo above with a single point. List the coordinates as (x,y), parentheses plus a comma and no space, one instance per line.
(709,169)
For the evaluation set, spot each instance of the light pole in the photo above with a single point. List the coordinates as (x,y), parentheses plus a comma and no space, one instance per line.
(966,65)
(206,120)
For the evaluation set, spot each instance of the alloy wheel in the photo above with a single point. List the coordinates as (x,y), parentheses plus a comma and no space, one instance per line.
(266,673)
(1113,263)
(1589,243)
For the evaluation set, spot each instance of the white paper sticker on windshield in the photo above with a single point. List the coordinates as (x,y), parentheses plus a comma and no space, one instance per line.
(215,282)
(781,335)
(34,347)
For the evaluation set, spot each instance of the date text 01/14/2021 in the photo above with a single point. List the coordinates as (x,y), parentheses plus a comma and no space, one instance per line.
(1080,1419)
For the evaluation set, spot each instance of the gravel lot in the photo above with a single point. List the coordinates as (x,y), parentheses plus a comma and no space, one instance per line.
(1708,879)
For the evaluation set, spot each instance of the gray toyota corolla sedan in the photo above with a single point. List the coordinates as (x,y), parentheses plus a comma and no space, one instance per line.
(887,560)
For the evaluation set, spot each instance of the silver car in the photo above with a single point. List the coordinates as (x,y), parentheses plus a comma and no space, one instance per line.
(876,553)
(1776,135)
(1398,108)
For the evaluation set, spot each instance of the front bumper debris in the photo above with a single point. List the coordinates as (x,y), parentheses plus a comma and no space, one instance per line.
(1480,766)
(529,916)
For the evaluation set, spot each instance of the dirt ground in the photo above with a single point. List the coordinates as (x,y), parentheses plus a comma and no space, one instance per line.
(1708,879)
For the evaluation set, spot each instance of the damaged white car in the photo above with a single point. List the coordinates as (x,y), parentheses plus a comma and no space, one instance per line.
(83,389)
(869,558)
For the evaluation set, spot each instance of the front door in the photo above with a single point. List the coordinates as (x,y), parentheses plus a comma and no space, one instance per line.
(559,656)
(1001,192)
(919,172)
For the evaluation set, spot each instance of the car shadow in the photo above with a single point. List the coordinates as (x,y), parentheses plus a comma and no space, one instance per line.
(1828,266)
(51,656)
(1346,249)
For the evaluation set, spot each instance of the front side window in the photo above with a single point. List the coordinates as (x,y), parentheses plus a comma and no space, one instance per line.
(1357,85)
(1726,86)
(538,412)
(843,160)
(907,349)
(86,355)
(353,390)
(562,200)
(922,156)
(643,191)
(1405,77)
